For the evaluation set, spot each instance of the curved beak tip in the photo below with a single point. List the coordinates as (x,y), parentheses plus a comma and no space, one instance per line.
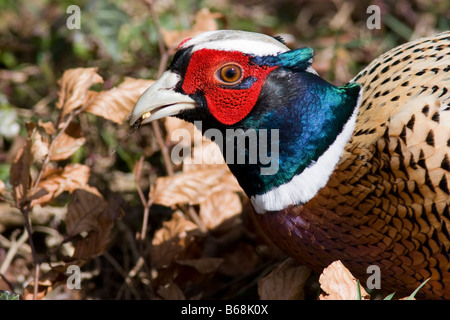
(160,100)
(137,122)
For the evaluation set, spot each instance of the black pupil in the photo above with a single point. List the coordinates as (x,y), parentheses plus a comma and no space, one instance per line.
(230,73)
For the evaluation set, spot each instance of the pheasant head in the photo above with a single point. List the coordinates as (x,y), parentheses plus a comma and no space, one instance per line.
(251,85)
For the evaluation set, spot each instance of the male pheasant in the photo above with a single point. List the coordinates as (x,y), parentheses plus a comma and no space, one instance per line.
(360,173)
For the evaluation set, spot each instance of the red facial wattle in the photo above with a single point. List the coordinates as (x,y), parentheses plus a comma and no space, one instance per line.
(229,104)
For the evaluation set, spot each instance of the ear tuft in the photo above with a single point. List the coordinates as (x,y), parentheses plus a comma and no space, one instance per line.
(299,59)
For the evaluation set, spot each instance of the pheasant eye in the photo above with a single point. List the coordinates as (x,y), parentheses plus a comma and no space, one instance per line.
(230,74)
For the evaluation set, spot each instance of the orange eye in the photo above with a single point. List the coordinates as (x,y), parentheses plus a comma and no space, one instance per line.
(230,74)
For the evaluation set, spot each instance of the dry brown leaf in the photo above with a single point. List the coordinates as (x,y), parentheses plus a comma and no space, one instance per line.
(83,212)
(339,284)
(89,212)
(48,127)
(219,207)
(171,291)
(20,173)
(192,187)
(172,239)
(175,227)
(204,21)
(117,103)
(180,132)
(74,85)
(285,282)
(202,265)
(69,142)
(56,181)
(205,156)
(39,147)
(202,153)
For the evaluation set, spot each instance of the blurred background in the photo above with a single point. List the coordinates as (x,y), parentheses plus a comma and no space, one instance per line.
(120,38)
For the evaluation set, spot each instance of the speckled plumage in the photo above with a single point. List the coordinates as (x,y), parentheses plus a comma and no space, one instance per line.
(380,197)
(387,203)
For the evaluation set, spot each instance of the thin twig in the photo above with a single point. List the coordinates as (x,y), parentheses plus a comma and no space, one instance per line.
(137,255)
(137,177)
(124,274)
(14,246)
(26,208)
(163,147)
(139,264)
(129,235)
(196,219)
(146,203)
(146,213)
(162,64)
(26,214)
(52,146)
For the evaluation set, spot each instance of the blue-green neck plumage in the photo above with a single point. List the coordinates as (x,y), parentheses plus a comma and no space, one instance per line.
(308,113)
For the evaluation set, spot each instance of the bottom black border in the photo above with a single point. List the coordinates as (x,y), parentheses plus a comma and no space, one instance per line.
(201,309)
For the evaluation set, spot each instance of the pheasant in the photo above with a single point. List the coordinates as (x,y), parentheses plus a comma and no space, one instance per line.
(360,172)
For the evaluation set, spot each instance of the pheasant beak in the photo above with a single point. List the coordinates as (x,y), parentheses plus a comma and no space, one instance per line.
(160,101)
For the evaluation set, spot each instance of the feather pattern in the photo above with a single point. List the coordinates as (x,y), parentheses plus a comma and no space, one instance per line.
(387,202)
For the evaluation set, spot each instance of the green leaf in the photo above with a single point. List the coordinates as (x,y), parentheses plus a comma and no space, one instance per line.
(417,290)
(358,290)
(390,296)
(6,295)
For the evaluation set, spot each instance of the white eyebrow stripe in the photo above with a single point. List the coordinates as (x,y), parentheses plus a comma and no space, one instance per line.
(233,40)
(245,46)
